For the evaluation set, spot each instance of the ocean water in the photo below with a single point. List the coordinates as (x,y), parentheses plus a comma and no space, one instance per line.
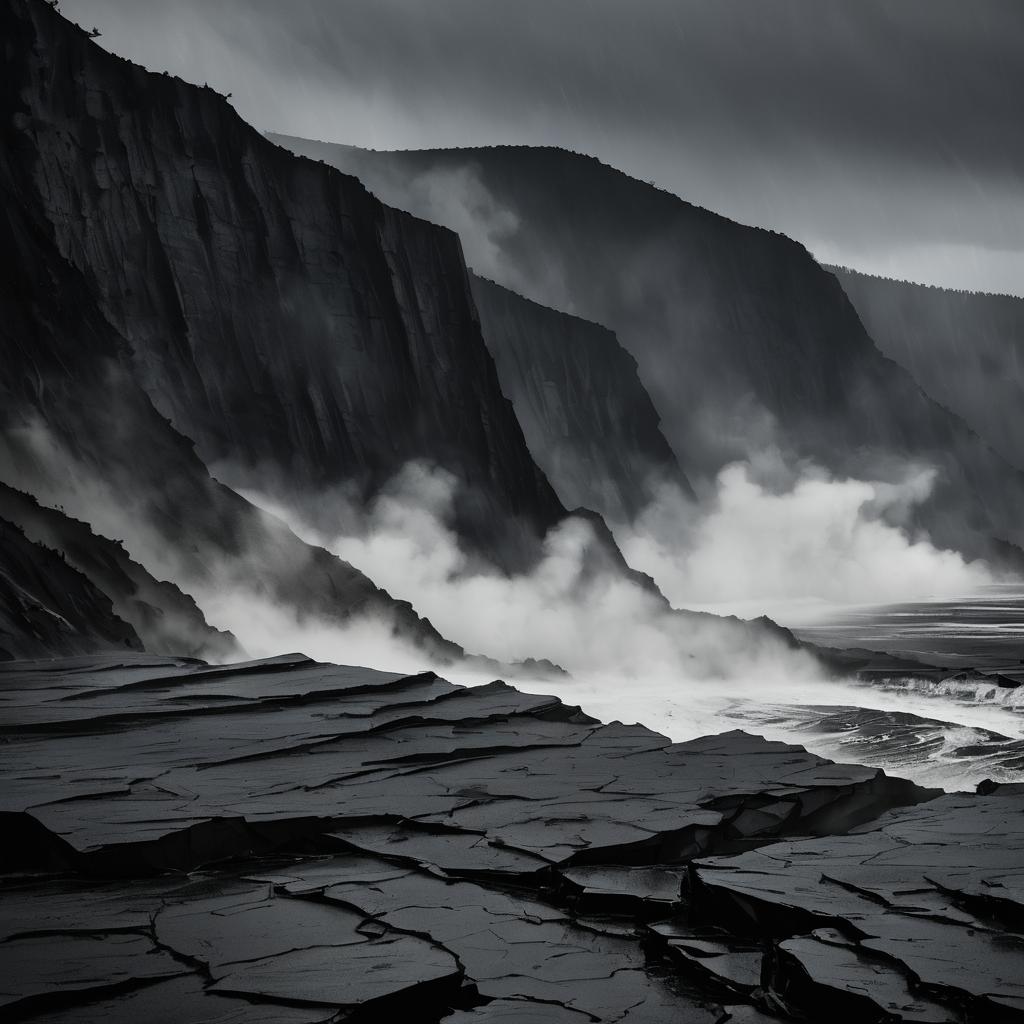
(983,630)
(951,733)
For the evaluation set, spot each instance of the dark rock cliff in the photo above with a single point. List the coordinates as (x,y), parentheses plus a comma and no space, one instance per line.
(166,620)
(588,421)
(97,249)
(965,349)
(77,430)
(303,334)
(741,338)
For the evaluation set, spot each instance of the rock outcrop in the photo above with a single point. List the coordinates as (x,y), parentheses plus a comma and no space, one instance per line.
(914,917)
(48,609)
(587,419)
(299,840)
(742,340)
(166,620)
(966,349)
(303,334)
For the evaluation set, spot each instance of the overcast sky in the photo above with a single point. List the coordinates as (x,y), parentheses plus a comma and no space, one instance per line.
(887,135)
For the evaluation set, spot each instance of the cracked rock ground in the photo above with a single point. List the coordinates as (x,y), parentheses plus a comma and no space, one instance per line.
(289,841)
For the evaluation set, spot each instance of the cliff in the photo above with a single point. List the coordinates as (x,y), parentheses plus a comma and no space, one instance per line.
(77,430)
(303,334)
(588,421)
(742,340)
(965,349)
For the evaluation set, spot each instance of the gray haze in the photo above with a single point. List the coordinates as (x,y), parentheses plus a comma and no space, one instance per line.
(884,134)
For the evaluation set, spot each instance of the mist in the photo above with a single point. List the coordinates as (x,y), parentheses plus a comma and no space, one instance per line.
(770,539)
(630,658)
(234,591)
(794,542)
(775,531)
(584,619)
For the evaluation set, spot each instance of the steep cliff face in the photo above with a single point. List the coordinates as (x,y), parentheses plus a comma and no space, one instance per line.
(588,421)
(302,333)
(965,349)
(47,608)
(166,620)
(77,430)
(741,339)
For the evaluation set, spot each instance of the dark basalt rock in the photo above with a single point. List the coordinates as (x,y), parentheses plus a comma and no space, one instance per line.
(586,417)
(915,917)
(325,840)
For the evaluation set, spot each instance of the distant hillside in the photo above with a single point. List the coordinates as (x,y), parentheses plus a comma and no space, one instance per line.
(742,340)
(966,349)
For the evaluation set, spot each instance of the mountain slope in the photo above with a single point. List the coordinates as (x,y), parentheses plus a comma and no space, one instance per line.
(48,609)
(965,349)
(741,339)
(302,333)
(587,419)
(166,620)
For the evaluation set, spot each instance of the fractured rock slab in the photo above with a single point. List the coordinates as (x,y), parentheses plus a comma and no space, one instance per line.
(323,840)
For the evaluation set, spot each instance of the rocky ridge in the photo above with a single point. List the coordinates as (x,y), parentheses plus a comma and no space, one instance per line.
(47,608)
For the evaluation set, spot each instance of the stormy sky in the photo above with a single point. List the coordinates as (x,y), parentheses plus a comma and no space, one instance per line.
(886,135)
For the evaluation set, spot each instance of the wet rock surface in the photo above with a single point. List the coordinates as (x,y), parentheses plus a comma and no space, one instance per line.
(916,916)
(285,840)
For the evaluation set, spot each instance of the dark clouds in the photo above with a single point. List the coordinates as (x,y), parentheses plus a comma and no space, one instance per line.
(887,135)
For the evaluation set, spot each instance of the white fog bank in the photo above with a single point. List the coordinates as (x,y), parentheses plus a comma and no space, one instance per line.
(795,549)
